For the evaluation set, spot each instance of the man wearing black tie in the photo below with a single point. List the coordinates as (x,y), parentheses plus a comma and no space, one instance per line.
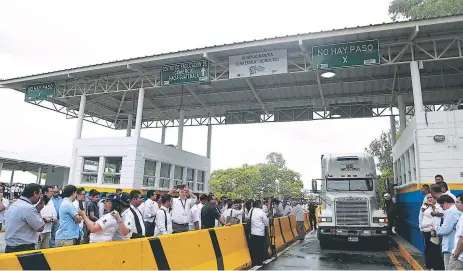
(138,230)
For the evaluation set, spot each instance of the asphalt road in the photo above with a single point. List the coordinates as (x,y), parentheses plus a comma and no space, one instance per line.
(308,255)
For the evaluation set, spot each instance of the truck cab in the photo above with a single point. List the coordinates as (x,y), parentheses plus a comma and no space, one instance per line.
(349,191)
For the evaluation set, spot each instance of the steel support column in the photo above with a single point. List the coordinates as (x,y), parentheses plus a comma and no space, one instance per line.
(416,85)
(39,176)
(80,118)
(163,135)
(195,180)
(80,122)
(181,122)
(157,175)
(209,141)
(138,120)
(129,125)
(101,168)
(11,181)
(402,113)
(393,130)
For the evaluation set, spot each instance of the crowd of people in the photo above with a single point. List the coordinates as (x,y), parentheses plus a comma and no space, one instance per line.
(47,217)
(12,191)
(441,224)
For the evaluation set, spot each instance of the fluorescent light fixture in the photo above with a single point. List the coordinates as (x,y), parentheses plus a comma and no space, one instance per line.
(328,74)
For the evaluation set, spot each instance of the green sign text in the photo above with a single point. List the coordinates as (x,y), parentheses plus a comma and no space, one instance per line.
(357,53)
(40,91)
(186,72)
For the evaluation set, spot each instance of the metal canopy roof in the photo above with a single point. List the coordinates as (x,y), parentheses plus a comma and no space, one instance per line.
(19,161)
(300,94)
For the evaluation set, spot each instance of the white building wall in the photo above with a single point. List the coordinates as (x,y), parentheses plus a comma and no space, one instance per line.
(57,176)
(154,151)
(445,158)
(125,147)
(133,153)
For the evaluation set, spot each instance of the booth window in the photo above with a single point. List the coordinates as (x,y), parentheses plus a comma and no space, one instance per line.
(112,170)
(90,170)
(189,178)
(165,175)
(200,181)
(149,174)
(178,175)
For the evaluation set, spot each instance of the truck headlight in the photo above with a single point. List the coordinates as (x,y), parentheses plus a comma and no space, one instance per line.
(325,219)
(379,219)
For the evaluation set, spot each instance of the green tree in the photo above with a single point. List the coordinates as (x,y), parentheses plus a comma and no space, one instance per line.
(258,181)
(420,9)
(276,158)
(381,148)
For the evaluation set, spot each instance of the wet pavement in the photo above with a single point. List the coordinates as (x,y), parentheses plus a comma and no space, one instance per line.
(308,255)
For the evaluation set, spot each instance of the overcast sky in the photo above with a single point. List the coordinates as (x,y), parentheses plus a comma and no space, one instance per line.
(42,36)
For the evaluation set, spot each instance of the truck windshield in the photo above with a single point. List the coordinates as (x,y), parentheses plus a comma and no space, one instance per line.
(349,185)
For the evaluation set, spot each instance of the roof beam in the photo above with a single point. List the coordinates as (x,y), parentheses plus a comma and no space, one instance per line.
(305,51)
(197,98)
(256,95)
(375,97)
(415,32)
(120,106)
(135,67)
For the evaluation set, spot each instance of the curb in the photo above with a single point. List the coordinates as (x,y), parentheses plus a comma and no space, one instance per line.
(407,256)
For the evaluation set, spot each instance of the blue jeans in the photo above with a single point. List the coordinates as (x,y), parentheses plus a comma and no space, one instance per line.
(54,228)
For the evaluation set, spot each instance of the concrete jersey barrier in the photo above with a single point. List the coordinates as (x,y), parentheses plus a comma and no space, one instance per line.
(222,248)
(212,249)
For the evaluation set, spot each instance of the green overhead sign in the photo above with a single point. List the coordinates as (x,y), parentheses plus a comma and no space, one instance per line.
(186,72)
(40,91)
(358,53)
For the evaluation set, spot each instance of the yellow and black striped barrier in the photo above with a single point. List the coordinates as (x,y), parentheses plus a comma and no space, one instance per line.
(222,248)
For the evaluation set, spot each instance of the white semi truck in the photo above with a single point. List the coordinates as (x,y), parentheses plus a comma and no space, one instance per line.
(349,191)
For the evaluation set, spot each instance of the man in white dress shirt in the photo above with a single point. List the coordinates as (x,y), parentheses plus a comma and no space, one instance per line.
(456,260)
(195,217)
(181,208)
(4,203)
(288,209)
(258,221)
(138,229)
(150,209)
(446,191)
(299,213)
(163,216)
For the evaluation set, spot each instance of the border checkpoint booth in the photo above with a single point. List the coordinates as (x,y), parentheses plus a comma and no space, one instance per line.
(411,68)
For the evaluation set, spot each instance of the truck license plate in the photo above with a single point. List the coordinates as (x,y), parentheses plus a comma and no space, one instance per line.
(353,239)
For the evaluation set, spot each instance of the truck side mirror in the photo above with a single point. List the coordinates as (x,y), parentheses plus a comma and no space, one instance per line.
(314,186)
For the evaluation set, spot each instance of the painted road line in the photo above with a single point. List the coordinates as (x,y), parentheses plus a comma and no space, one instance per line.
(395,261)
(409,258)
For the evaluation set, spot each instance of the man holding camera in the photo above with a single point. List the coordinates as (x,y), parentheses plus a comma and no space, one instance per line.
(181,208)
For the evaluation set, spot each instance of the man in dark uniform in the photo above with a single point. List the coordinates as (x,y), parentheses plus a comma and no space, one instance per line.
(312,218)
(209,214)
(391,211)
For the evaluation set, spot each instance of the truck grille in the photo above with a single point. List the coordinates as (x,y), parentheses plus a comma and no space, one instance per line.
(352,212)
